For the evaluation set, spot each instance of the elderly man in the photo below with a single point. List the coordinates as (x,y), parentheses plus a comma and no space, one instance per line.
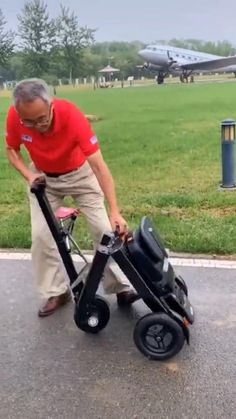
(63,147)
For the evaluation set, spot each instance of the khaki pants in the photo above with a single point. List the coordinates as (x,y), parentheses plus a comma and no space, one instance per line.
(83,187)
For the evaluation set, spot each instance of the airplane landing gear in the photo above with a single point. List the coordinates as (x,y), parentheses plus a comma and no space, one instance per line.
(184,78)
(160,78)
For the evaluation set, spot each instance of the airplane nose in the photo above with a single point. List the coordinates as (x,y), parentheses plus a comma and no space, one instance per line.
(141,53)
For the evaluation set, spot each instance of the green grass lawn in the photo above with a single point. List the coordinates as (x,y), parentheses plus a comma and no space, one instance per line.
(162,145)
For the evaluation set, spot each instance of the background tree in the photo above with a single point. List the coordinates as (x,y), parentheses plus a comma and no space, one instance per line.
(6,42)
(90,64)
(37,37)
(72,40)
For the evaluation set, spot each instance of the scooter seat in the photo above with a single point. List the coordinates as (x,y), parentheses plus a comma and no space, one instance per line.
(149,238)
(63,213)
(149,257)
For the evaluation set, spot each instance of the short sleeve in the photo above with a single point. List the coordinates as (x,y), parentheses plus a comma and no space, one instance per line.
(12,136)
(87,139)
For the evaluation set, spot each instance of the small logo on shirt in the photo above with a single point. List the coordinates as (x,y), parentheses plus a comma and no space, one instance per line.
(26,138)
(93,140)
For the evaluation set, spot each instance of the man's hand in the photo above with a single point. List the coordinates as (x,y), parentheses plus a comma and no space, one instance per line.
(32,177)
(118,223)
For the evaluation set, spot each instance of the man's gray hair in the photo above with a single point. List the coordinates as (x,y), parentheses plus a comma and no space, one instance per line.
(29,90)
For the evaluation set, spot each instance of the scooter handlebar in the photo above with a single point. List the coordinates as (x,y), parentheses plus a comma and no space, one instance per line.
(38,185)
(121,236)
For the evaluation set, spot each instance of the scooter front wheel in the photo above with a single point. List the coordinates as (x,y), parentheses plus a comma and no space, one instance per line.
(93,317)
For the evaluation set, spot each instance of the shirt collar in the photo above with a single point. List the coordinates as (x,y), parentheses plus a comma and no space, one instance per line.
(57,125)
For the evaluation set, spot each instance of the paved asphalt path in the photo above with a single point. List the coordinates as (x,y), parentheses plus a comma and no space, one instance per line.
(50,369)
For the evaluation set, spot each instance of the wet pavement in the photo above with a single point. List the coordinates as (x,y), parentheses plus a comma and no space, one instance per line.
(50,369)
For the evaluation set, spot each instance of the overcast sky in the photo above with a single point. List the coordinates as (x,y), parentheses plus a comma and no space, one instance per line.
(147,21)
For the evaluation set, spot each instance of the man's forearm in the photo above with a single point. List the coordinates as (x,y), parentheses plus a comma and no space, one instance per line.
(106,182)
(16,159)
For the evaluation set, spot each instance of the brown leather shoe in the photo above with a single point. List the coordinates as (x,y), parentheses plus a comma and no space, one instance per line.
(126,298)
(53,303)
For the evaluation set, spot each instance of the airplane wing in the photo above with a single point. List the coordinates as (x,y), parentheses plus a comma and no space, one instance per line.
(210,64)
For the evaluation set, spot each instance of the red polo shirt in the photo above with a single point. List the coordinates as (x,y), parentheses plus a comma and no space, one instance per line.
(65,147)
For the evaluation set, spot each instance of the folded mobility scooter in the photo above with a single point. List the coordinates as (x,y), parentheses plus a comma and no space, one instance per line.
(161,333)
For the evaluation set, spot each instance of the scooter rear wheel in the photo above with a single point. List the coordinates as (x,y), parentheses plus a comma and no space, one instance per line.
(158,336)
(93,317)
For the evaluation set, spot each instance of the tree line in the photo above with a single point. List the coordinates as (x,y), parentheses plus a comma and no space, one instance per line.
(60,48)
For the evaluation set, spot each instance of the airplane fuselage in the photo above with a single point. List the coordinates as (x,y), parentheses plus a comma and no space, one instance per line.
(172,60)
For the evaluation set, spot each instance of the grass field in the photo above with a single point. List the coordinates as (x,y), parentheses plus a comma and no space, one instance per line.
(162,144)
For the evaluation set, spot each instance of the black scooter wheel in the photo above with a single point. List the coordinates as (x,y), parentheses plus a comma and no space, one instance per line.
(94,317)
(158,336)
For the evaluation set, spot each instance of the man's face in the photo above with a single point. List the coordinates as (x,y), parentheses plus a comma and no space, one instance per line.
(35,115)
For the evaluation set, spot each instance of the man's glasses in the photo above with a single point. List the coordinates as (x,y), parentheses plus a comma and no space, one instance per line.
(39,122)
